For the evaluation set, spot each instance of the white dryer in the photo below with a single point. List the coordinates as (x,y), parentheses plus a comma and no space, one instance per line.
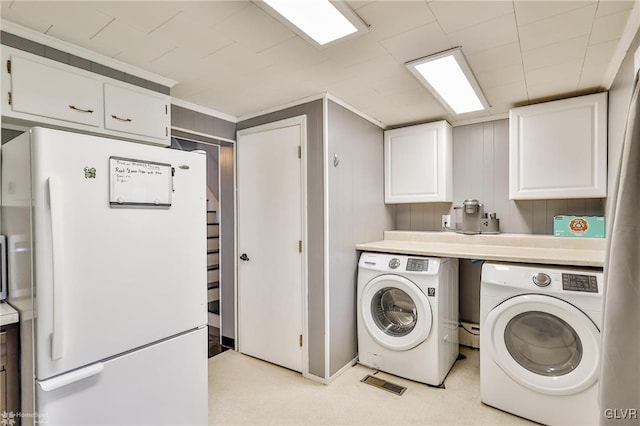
(408,315)
(540,341)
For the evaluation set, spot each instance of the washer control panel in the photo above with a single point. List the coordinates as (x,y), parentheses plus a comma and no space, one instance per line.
(541,279)
(394,263)
(575,282)
(417,265)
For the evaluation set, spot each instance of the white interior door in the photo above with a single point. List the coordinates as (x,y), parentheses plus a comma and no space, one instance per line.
(270,232)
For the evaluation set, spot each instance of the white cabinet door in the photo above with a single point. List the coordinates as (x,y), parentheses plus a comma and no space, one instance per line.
(49,90)
(418,163)
(136,112)
(559,149)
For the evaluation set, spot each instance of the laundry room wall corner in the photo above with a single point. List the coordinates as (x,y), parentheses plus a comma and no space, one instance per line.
(356,214)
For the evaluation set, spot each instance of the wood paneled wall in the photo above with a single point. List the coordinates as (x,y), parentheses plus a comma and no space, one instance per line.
(481,171)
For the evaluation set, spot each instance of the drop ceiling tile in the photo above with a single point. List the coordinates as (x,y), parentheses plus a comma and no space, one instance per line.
(354,51)
(144,16)
(119,39)
(417,43)
(389,18)
(566,72)
(487,35)
(196,35)
(324,74)
(242,59)
(357,4)
(396,84)
(174,60)
(211,13)
(612,7)
(609,27)
(591,76)
(600,53)
(496,57)
(143,54)
(552,90)
(26,14)
(511,93)
(500,76)
(528,12)
(565,51)
(294,52)
(558,28)
(255,29)
(457,15)
(73,24)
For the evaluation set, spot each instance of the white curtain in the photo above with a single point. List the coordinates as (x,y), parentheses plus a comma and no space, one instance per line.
(620,369)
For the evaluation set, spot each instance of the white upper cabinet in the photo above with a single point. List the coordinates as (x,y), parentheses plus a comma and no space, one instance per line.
(137,112)
(40,91)
(559,149)
(54,92)
(418,164)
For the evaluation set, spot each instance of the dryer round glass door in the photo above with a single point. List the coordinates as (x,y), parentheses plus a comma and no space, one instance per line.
(396,313)
(544,343)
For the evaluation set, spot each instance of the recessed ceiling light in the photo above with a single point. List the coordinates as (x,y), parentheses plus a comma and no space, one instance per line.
(448,76)
(319,21)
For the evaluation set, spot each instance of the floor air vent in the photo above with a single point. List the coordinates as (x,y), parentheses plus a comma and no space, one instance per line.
(383,384)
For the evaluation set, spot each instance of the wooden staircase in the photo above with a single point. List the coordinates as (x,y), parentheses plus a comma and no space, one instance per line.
(213,269)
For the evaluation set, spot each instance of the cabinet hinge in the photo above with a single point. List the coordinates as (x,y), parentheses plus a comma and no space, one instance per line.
(300,246)
(166,109)
(166,131)
(301,340)
(9,66)
(9,98)
(299,151)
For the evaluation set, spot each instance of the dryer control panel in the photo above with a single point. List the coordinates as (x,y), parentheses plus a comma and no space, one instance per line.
(417,265)
(575,282)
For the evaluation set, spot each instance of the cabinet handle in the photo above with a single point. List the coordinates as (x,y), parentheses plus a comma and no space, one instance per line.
(73,107)
(115,117)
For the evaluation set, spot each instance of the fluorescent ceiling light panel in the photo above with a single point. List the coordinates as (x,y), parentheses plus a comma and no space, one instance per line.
(448,76)
(321,20)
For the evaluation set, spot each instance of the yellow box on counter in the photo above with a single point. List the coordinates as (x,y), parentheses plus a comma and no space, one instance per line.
(579,226)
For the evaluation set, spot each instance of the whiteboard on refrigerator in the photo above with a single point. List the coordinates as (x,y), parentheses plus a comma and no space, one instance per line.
(139,182)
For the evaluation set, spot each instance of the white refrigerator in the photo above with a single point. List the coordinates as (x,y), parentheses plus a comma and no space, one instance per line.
(107,250)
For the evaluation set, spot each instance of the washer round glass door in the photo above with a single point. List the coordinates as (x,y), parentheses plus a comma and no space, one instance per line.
(544,343)
(396,314)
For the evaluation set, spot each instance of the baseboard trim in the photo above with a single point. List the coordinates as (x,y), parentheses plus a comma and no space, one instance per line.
(228,342)
(342,370)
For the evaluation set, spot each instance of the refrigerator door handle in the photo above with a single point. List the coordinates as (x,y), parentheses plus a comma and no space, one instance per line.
(57,249)
(71,377)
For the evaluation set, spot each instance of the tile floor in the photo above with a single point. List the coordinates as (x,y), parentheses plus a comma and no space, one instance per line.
(244,390)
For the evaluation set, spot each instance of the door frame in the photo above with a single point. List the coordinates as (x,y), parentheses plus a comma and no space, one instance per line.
(301,121)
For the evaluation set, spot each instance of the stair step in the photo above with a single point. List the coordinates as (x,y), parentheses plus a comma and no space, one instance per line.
(213,284)
(213,230)
(213,275)
(212,217)
(213,244)
(214,307)
(213,259)
(213,295)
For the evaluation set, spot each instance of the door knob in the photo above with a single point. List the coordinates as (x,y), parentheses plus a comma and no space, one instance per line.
(244,257)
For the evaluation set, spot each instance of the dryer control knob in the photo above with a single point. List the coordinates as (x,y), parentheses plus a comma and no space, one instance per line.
(541,279)
(394,263)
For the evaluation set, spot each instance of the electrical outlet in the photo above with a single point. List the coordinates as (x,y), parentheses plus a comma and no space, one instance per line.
(446,221)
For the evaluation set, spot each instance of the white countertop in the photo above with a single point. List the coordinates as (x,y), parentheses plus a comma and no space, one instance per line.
(522,248)
(8,315)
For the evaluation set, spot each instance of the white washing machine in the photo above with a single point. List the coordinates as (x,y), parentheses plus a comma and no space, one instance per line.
(408,315)
(540,341)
